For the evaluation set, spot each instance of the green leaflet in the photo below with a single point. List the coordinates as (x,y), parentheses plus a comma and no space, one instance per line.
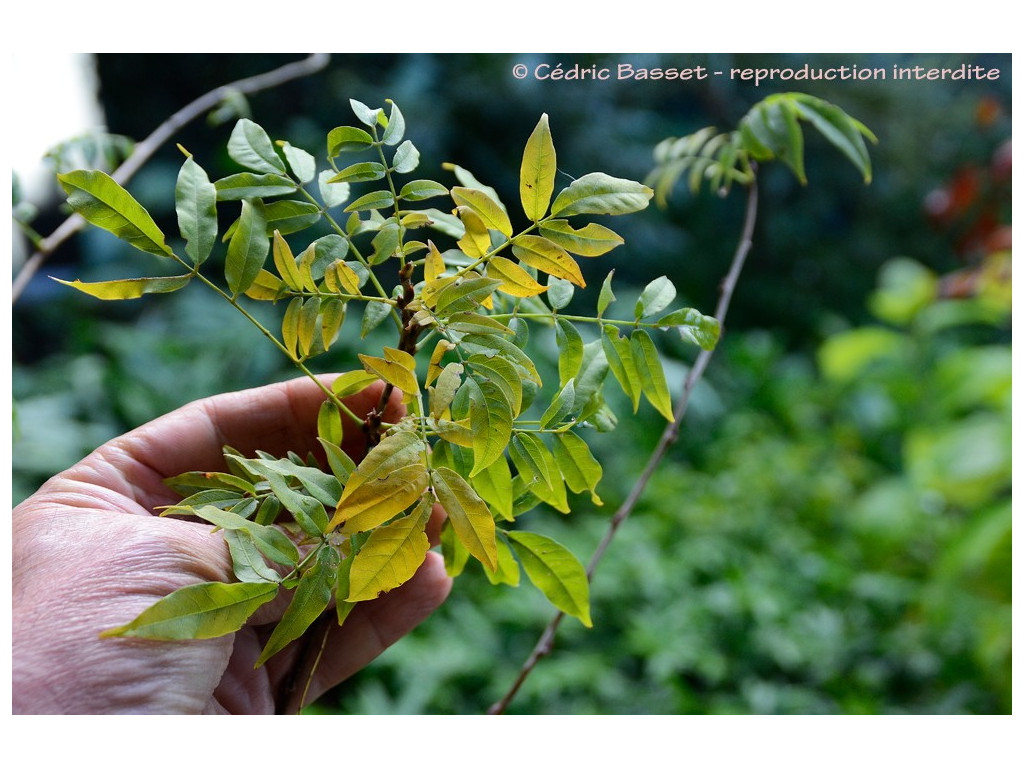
(302,163)
(242,186)
(359,172)
(195,200)
(395,129)
(274,544)
(600,193)
(494,486)
(508,568)
(131,288)
(491,422)
(250,147)
(554,571)
(391,555)
(467,179)
(570,350)
(652,376)
(606,296)
(347,139)
(657,295)
(371,201)
(561,406)
(311,598)
(503,374)
(198,611)
(406,158)
(559,292)
(468,515)
(454,551)
(492,346)
(248,248)
(619,353)
(579,468)
(484,206)
(527,452)
(103,202)
(246,558)
(537,172)
(693,326)
(422,189)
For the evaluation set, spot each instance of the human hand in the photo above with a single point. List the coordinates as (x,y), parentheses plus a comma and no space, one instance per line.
(90,554)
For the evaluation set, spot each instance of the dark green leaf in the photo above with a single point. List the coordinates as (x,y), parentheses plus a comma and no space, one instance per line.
(242,186)
(248,248)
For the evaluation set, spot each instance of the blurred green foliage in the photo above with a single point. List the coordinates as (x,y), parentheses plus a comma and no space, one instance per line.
(832,531)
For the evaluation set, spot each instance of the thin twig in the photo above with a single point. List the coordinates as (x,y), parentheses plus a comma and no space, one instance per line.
(668,437)
(145,149)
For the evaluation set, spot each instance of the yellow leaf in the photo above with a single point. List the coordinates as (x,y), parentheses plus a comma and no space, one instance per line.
(476,242)
(515,281)
(542,254)
(485,207)
(390,556)
(285,263)
(341,278)
(433,264)
(392,372)
(434,368)
(537,173)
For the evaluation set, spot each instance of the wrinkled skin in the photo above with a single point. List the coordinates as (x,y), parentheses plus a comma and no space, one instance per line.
(89,553)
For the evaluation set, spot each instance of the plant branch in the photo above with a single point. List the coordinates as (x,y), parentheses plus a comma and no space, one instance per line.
(145,149)
(668,437)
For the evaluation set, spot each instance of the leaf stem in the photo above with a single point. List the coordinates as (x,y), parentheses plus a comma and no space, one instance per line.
(671,432)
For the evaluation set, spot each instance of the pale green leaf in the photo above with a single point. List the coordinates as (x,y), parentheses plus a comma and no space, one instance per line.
(493,216)
(423,189)
(606,296)
(302,163)
(104,203)
(652,376)
(693,326)
(491,422)
(560,292)
(195,199)
(508,568)
(347,139)
(599,193)
(371,201)
(251,148)
(561,406)
(332,194)
(657,295)
(619,353)
(242,186)
(246,559)
(591,240)
(396,126)
(555,571)
(406,158)
(494,485)
(580,470)
(359,172)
